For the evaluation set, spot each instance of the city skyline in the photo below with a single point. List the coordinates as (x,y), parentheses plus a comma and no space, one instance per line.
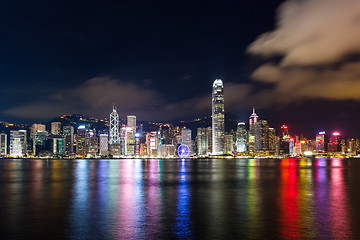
(180,119)
(160,60)
(129,139)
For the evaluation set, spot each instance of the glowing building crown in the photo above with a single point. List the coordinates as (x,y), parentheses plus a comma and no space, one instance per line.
(217,83)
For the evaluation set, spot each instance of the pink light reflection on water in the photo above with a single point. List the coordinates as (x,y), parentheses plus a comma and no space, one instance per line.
(130,203)
(339,216)
(152,197)
(321,198)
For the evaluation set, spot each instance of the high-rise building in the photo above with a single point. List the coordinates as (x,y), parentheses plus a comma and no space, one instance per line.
(151,143)
(104,144)
(168,150)
(334,144)
(137,144)
(36,127)
(123,141)
(300,147)
(252,120)
(260,129)
(271,140)
(159,143)
(93,143)
(81,141)
(241,138)
(131,122)
(39,142)
(130,141)
(209,139)
(56,128)
(3,144)
(251,144)
(202,141)
(68,132)
(218,118)
(18,143)
(320,142)
(351,147)
(229,144)
(57,144)
(284,140)
(186,137)
(114,127)
(291,147)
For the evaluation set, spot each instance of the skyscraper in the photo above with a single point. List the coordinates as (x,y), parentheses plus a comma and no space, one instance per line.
(152,144)
(209,139)
(229,144)
(130,141)
(55,128)
(81,141)
(137,143)
(320,142)
(218,118)
(131,122)
(104,144)
(252,120)
(241,138)
(284,140)
(93,143)
(36,127)
(202,141)
(69,139)
(114,127)
(3,144)
(334,144)
(18,143)
(39,142)
(57,144)
(271,140)
(123,141)
(260,129)
(130,135)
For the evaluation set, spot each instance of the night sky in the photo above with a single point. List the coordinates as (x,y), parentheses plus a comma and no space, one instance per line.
(296,62)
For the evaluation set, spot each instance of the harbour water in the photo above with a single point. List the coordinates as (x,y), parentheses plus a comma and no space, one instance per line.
(180,199)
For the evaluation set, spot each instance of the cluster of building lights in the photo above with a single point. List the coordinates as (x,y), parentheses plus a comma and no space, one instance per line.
(259,139)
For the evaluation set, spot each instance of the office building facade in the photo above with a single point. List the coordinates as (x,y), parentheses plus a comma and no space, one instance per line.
(218,118)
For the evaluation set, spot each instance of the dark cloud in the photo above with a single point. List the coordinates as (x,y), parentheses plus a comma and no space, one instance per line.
(96,95)
(291,84)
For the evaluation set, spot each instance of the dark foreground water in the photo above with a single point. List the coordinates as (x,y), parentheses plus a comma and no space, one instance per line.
(184,199)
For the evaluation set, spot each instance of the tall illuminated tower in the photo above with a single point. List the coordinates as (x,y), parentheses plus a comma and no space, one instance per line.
(218,127)
(241,138)
(252,120)
(114,127)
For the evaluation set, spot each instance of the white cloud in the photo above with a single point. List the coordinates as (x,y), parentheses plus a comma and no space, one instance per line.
(312,32)
(313,38)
